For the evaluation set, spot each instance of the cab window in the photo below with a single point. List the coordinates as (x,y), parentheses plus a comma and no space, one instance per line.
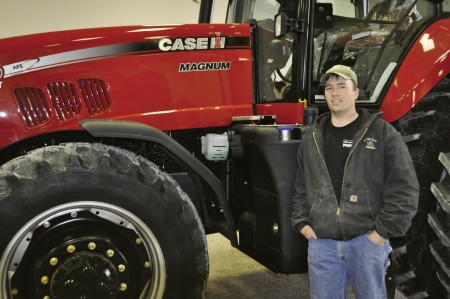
(273,73)
(369,36)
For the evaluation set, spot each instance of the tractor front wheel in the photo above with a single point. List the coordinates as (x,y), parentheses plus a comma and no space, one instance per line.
(94,221)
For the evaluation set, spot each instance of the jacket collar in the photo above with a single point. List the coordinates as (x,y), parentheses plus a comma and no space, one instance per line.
(368,117)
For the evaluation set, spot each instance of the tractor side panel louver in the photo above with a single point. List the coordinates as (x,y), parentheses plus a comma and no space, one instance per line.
(32,106)
(64,100)
(95,94)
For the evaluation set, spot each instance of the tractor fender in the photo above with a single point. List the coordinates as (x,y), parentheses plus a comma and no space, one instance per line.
(139,131)
(430,62)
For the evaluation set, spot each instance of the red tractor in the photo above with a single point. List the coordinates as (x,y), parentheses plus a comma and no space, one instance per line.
(121,148)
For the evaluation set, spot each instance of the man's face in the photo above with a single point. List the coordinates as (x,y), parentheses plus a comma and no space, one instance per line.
(340,94)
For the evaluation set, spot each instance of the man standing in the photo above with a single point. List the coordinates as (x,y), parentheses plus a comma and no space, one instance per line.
(355,188)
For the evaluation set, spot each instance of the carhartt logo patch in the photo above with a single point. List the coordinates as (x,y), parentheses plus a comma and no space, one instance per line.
(353,198)
(370,143)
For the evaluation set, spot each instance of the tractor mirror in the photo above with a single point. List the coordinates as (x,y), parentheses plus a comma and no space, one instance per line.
(281,24)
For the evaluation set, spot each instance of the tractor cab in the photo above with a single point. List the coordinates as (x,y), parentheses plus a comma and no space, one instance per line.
(297,41)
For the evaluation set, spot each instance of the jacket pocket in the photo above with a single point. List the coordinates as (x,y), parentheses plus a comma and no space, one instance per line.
(357,213)
(322,217)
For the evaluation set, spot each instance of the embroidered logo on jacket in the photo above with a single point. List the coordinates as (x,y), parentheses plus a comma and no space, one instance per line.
(370,143)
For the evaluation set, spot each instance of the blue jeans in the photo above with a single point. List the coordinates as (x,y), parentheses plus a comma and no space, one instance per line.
(333,264)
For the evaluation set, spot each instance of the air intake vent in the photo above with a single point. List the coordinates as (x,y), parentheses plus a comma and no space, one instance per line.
(95,94)
(32,106)
(64,99)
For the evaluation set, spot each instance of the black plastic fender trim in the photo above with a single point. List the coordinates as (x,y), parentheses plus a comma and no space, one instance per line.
(135,130)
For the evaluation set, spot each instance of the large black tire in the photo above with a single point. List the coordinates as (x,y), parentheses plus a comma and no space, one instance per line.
(440,222)
(426,129)
(95,221)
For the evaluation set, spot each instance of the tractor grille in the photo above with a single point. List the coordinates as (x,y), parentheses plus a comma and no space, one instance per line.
(95,95)
(32,106)
(64,100)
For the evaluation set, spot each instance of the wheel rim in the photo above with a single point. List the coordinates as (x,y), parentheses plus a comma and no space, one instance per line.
(118,241)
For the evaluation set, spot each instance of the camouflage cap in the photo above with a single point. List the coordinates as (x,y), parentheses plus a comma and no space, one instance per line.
(342,71)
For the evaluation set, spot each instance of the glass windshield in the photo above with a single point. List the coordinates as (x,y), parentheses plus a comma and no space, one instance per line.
(371,45)
(274,73)
(245,11)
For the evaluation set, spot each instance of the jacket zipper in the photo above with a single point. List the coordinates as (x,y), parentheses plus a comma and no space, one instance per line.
(338,211)
(346,162)
(318,150)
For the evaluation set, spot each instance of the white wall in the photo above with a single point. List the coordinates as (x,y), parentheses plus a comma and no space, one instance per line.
(19,17)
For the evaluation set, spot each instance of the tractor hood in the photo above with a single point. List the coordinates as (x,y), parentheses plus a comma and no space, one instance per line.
(171,77)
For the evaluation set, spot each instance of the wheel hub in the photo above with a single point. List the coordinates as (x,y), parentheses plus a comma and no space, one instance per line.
(81,255)
(85,275)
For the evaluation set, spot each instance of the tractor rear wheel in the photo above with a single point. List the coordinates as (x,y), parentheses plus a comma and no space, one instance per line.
(440,223)
(426,131)
(94,221)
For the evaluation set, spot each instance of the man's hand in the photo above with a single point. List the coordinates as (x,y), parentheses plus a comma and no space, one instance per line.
(376,238)
(308,232)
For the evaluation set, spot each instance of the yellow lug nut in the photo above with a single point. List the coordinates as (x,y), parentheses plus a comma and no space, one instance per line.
(121,268)
(44,279)
(14,292)
(110,253)
(123,287)
(71,249)
(92,245)
(53,261)
(46,297)
(147,264)
(138,241)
